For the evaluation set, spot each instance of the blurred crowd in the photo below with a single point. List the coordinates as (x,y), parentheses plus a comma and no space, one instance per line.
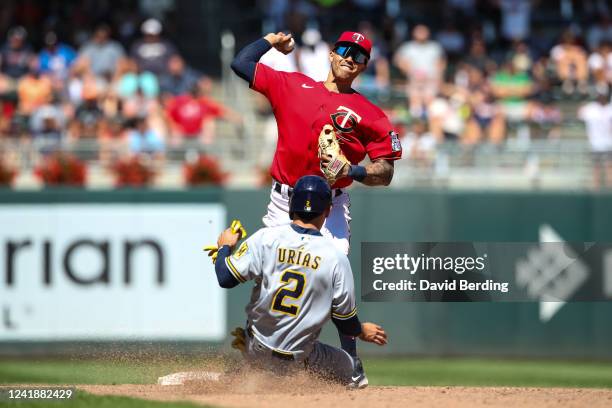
(469,71)
(474,71)
(126,98)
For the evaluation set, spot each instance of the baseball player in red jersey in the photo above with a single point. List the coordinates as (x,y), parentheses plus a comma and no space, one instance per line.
(302,107)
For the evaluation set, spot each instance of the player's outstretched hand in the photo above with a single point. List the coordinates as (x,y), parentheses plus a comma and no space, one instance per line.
(228,237)
(281,41)
(232,235)
(373,333)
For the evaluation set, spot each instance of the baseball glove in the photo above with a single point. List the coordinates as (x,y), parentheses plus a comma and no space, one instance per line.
(328,145)
(237,228)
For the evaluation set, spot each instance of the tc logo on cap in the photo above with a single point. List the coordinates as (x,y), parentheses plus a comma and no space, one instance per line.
(358,37)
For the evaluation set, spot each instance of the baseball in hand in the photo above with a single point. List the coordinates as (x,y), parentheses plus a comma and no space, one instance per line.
(287,46)
(282,42)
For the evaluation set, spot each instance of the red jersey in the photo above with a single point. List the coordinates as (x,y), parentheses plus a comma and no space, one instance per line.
(188,113)
(303,106)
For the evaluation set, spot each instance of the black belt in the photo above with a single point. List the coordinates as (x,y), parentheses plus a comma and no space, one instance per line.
(278,187)
(275,353)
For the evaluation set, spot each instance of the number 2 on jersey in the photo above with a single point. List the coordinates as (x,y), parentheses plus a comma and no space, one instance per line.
(278,302)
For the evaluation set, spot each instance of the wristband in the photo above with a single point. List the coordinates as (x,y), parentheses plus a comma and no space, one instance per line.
(357,173)
(225,250)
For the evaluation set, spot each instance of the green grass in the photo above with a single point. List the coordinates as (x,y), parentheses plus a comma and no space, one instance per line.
(82,400)
(381,371)
(81,372)
(112,369)
(488,372)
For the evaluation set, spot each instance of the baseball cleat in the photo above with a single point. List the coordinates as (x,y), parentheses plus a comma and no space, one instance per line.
(358,378)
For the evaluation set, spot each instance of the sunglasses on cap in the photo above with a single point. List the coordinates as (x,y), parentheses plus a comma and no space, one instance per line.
(352,51)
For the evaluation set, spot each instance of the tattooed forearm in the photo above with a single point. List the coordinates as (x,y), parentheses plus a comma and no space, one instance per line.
(380,173)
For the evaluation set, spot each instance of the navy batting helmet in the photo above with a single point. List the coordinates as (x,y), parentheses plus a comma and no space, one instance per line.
(311,194)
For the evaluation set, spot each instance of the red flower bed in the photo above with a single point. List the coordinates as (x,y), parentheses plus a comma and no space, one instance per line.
(265,177)
(204,171)
(133,172)
(7,174)
(62,169)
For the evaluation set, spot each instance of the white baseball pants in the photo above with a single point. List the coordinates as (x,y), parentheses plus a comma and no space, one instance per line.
(336,225)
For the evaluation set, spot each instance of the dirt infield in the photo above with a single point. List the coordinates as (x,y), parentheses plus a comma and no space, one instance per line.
(326,396)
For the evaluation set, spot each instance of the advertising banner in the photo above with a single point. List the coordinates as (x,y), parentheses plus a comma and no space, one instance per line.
(110,272)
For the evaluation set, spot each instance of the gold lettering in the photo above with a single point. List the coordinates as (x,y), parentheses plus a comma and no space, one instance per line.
(299,258)
(291,256)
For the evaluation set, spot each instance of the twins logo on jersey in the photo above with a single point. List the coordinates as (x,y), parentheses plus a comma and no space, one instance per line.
(345,120)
